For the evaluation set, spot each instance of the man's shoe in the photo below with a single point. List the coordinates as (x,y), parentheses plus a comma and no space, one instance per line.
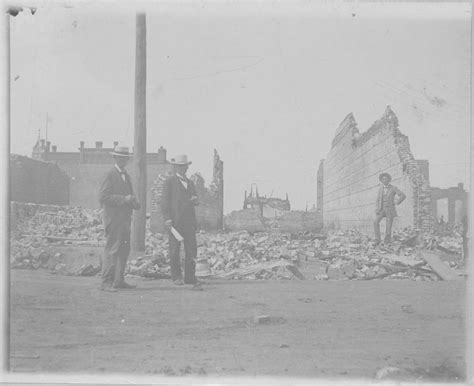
(107,288)
(194,281)
(124,285)
(178,282)
(197,287)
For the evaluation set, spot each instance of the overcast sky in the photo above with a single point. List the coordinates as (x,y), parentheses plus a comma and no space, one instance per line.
(267,86)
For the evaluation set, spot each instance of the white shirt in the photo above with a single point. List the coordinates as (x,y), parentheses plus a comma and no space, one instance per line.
(183,180)
(122,172)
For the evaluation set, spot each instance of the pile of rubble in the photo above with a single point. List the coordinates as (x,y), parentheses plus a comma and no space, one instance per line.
(346,255)
(32,239)
(243,255)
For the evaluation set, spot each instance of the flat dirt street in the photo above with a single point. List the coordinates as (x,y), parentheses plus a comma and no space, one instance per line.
(318,329)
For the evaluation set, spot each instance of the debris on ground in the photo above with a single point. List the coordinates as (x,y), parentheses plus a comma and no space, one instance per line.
(262,319)
(346,255)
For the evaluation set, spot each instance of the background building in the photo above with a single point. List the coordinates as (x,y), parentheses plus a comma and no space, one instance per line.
(86,169)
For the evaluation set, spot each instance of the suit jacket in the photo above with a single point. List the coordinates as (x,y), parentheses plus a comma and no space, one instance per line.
(389,204)
(112,199)
(176,203)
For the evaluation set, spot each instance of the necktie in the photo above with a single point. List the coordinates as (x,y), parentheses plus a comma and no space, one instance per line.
(184,181)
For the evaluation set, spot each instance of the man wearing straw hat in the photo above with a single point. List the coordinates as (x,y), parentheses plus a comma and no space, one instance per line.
(385,206)
(177,205)
(118,202)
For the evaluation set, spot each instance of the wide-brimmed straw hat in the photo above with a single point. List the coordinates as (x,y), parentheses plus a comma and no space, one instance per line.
(181,159)
(121,151)
(385,175)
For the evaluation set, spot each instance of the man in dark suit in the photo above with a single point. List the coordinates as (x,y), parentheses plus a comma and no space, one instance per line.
(385,206)
(118,202)
(177,205)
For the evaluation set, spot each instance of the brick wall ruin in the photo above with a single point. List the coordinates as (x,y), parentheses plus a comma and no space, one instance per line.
(37,181)
(451,203)
(348,178)
(209,212)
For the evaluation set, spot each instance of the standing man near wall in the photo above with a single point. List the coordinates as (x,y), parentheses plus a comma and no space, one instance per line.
(177,205)
(385,206)
(118,202)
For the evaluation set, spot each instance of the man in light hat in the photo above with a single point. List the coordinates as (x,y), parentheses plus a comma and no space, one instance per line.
(177,205)
(118,202)
(386,206)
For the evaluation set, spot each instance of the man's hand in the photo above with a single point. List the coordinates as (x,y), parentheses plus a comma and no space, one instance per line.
(168,224)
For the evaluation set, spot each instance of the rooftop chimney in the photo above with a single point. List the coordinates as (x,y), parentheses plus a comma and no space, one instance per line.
(48,145)
(115,144)
(461,186)
(42,141)
(54,148)
(162,155)
(82,144)
(98,145)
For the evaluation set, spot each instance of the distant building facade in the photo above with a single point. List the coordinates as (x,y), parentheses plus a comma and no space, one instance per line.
(86,169)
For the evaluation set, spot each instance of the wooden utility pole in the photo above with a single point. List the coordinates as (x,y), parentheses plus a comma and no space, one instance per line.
(4,197)
(139,156)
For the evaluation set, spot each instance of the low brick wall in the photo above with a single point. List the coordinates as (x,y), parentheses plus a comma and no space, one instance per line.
(21,211)
(300,221)
(249,220)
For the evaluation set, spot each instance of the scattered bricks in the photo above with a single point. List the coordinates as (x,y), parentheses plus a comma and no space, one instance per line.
(262,319)
(88,270)
(235,255)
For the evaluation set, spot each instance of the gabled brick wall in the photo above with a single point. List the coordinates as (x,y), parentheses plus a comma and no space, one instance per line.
(348,177)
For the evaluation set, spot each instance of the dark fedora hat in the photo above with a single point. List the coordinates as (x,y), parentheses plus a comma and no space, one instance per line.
(385,175)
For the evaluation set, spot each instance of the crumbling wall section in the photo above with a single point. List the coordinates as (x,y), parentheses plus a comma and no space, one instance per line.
(320,189)
(350,173)
(37,181)
(209,212)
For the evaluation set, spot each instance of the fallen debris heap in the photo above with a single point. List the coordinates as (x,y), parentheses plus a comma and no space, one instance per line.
(345,255)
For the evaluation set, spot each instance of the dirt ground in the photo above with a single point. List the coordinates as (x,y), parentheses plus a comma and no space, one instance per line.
(318,329)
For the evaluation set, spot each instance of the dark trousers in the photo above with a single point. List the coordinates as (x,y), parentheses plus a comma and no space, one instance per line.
(117,249)
(190,253)
(465,244)
(388,226)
